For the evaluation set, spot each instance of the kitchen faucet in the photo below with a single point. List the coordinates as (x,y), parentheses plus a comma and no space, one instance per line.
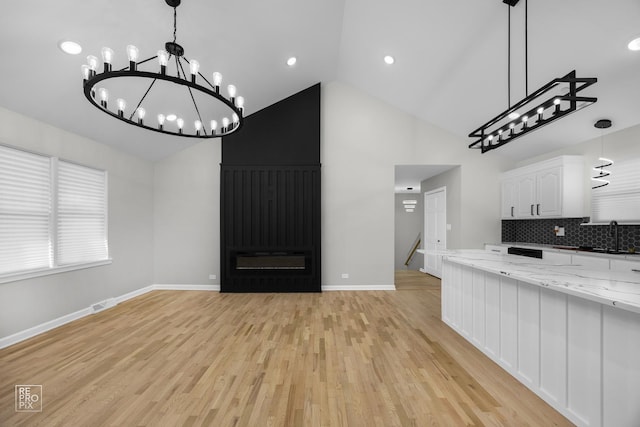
(613,231)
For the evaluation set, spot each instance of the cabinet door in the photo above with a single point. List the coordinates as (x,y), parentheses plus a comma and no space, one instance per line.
(526,205)
(549,192)
(509,199)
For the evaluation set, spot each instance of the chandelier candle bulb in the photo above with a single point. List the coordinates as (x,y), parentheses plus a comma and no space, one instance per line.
(141,113)
(104,97)
(240,103)
(84,69)
(225,123)
(180,123)
(92,61)
(132,54)
(194,66)
(198,125)
(160,121)
(231,89)
(163,60)
(122,104)
(107,57)
(214,126)
(217,81)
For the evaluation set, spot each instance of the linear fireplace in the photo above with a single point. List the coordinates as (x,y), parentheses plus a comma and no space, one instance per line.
(295,262)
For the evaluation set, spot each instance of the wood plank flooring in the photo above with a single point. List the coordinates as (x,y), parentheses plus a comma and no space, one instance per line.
(191,358)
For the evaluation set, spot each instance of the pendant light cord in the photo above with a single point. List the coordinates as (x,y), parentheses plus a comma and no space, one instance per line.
(509,57)
(526,47)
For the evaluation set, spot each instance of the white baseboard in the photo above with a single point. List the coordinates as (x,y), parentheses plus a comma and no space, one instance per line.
(358,288)
(62,320)
(43,327)
(170,287)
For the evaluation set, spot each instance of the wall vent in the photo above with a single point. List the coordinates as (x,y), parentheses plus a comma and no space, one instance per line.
(103,305)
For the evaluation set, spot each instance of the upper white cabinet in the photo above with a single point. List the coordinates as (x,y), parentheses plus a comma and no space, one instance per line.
(550,189)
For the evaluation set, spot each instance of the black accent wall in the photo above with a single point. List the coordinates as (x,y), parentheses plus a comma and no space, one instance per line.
(270,197)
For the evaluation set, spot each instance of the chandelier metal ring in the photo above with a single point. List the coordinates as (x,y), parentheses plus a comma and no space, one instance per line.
(90,94)
(173,52)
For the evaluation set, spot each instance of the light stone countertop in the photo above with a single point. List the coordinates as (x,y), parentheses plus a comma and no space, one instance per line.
(614,288)
(567,250)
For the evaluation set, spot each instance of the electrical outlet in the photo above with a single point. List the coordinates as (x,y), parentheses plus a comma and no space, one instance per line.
(345,275)
(212,277)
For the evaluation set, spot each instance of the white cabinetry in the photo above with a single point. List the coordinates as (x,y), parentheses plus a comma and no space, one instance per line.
(579,356)
(550,189)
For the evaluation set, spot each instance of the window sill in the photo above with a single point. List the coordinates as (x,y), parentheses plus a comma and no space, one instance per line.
(23,275)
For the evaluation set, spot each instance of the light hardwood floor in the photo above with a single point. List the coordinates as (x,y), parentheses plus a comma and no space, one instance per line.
(191,358)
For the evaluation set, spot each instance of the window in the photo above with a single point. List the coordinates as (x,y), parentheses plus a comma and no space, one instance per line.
(620,200)
(53,215)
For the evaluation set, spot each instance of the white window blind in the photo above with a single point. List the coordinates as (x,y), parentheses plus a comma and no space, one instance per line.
(620,200)
(25,211)
(53,215)
(81,215)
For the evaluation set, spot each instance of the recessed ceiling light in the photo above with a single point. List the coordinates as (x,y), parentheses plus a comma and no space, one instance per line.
(389,59)
(70,47)
(292,61)
(171,117)
(634,44)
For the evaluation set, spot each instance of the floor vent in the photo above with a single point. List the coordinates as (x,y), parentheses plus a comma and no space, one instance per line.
(103,305)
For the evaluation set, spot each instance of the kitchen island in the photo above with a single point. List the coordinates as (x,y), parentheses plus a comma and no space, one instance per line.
(570,333)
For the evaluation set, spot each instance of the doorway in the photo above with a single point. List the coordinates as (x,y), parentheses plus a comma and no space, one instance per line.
(435,230)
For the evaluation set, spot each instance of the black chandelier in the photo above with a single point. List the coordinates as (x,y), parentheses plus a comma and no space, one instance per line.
(552,101)
(215,126)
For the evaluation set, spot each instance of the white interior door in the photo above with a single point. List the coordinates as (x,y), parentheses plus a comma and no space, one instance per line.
(435,230)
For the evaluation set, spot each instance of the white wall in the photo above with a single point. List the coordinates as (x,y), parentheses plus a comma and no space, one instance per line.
(27,303)
(362,140)
(187,216)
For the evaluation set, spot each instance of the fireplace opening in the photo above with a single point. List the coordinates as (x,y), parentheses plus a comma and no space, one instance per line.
(248,261)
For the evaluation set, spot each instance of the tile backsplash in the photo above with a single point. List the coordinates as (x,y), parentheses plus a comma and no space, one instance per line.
(542,231)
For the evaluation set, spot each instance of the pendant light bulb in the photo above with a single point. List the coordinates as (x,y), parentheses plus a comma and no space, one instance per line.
(198,125)
(214,126)
(231,89)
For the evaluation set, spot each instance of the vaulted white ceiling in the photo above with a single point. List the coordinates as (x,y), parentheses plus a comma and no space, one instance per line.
(450,70)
